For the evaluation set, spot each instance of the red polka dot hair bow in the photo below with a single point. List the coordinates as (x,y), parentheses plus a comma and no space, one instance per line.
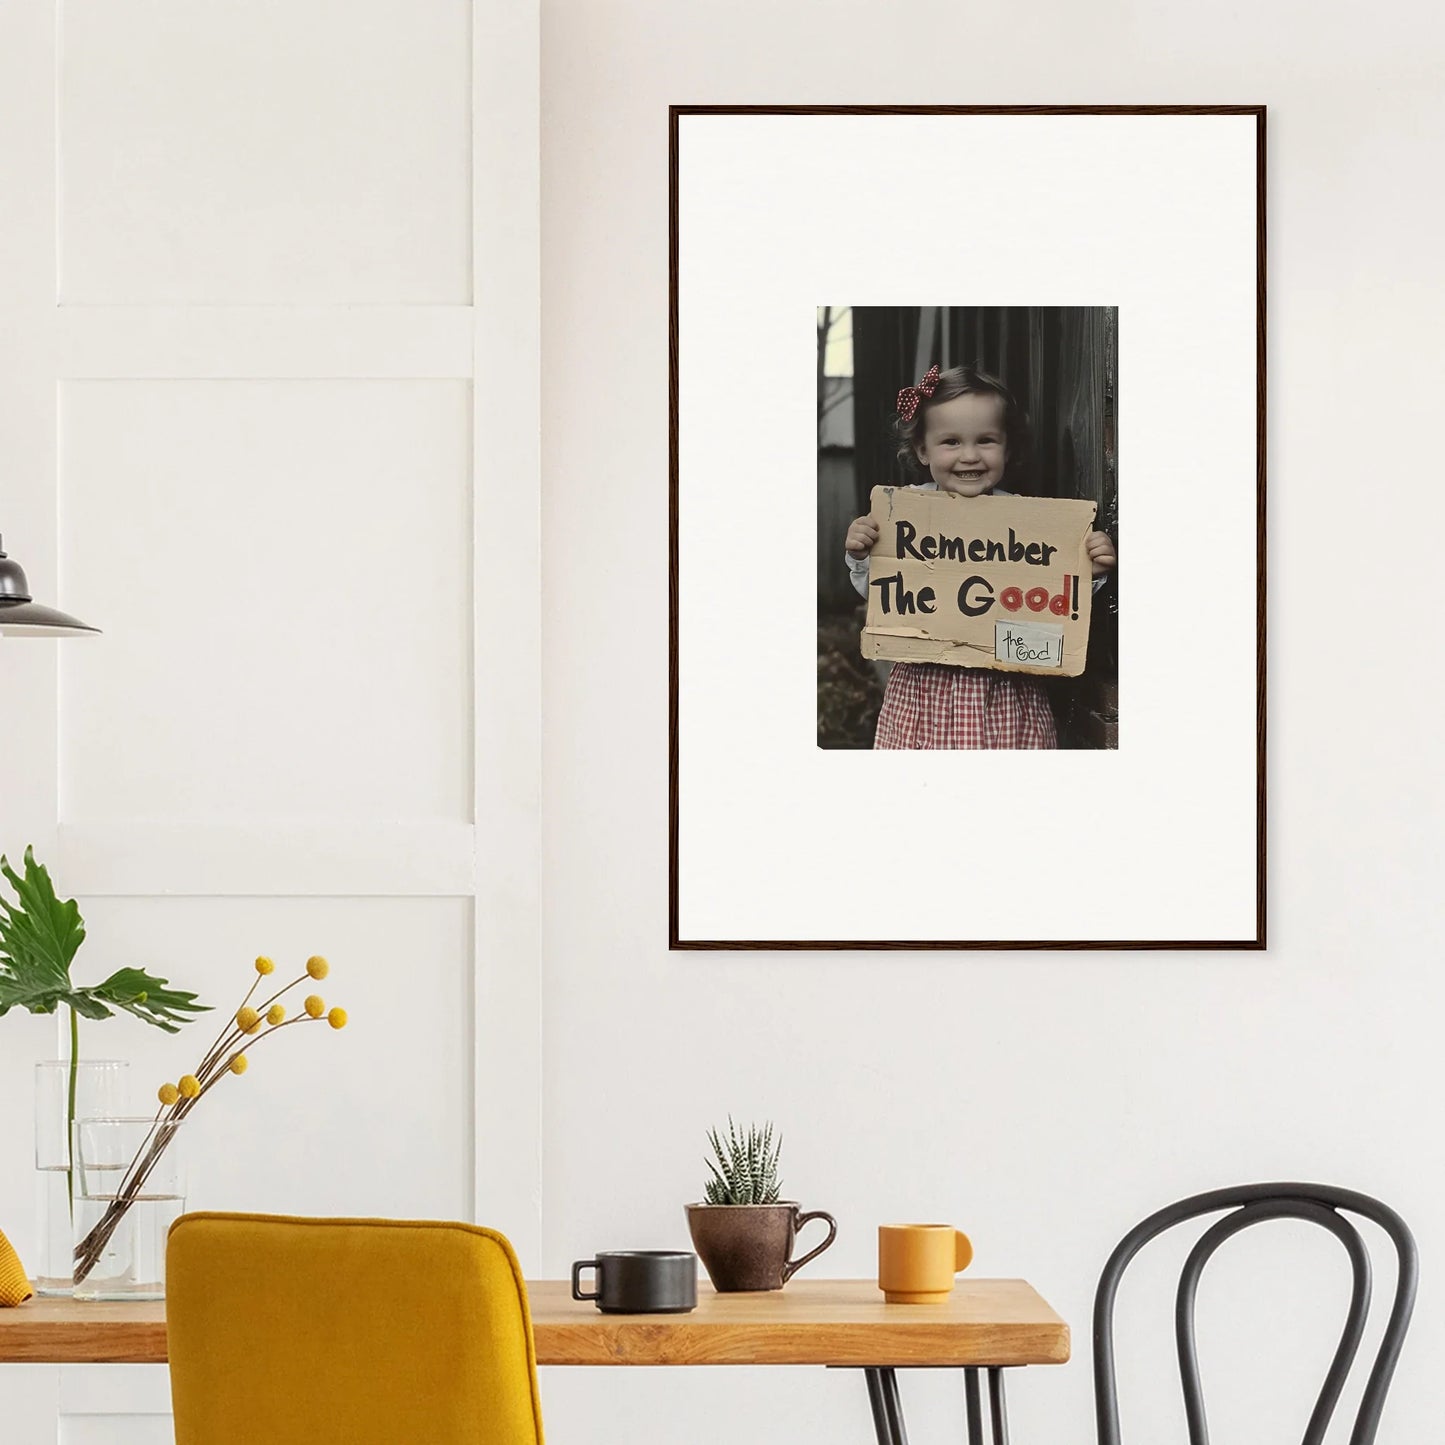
(910,397)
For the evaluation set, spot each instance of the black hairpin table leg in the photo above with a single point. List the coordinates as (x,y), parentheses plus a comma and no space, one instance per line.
(974,1406)
(997,1406)
(887,1407)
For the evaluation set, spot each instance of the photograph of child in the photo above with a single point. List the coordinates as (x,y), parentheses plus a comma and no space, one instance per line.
(972,401)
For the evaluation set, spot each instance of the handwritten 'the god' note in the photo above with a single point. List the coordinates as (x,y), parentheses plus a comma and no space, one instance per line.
(997,582)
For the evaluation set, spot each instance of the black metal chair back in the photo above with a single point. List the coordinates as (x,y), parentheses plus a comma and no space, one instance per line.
(1251,1203)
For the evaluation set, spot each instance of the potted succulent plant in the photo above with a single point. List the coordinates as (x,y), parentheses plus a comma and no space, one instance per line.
(742,1230)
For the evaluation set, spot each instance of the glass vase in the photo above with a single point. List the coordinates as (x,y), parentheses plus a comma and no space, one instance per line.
(100,1088)
(130,1189)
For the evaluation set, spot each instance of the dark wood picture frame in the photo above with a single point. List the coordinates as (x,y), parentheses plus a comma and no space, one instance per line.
(675,941)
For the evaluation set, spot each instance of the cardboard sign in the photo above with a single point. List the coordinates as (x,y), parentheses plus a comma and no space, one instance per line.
(997,582)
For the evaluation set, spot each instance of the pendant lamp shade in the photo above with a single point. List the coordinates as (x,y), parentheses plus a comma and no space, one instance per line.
(22,616)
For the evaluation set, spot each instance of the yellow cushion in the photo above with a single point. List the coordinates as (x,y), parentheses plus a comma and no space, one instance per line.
(363,1331)
(14,1286)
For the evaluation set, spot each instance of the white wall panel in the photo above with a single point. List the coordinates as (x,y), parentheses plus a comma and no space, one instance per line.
(265,151)
(25,1039)
(283,573)
(370,1120)
(27,397)
(110,1430)
(509,400)
(104,1389)
(32,1399)
(27,672)
(248,440)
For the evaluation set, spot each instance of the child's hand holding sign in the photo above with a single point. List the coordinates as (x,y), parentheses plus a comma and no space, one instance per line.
(1099,547)
(861,536)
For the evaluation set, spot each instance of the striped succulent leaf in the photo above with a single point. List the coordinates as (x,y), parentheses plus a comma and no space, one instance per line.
(744,1167)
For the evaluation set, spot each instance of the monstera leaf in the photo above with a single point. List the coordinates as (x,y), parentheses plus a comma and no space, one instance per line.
(39,937)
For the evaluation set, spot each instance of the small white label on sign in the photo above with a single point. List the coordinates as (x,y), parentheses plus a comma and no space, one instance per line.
(1036,644)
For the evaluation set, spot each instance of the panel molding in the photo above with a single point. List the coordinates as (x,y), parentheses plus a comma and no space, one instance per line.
(507,462)
(144,859)
(28,417)
(264,342)
(29,673)
(490,1126)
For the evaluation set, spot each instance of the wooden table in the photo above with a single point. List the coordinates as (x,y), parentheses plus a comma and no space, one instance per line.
(986,1324)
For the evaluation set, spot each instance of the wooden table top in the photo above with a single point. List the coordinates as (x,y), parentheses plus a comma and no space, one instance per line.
(811,1322)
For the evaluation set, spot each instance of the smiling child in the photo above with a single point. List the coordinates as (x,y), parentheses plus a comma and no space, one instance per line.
(956,431)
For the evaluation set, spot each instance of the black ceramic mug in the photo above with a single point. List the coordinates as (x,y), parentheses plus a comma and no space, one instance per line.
(640,1281)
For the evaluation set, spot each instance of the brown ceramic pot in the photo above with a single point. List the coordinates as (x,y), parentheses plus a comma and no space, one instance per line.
(748,1246)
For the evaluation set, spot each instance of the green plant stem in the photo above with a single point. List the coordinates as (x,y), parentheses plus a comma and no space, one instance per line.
(70,1112)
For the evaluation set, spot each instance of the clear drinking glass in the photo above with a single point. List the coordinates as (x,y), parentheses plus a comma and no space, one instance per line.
(130,1189)
(100,1088)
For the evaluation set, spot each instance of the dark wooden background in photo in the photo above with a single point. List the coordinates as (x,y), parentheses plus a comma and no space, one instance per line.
(1061,363)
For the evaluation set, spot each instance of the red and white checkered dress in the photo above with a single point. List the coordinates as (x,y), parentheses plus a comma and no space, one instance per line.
(931,705)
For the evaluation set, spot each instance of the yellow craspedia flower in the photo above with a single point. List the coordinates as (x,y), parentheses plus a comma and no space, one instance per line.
(239,1064)
(337,1018)
(247,1019)
(275,1015)
(190,1086)
(317,966)
(264,965)
(315,1005)
(168,1094)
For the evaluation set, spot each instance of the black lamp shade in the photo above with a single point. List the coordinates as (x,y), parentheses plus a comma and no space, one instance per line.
(22,616)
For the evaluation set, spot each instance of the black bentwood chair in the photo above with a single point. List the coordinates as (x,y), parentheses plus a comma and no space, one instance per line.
(1316,1203)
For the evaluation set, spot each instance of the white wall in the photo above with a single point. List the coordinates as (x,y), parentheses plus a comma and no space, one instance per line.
(1043,1102)
(214,284)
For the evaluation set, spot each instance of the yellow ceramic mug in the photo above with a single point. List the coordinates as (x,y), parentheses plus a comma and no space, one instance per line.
(917,1262)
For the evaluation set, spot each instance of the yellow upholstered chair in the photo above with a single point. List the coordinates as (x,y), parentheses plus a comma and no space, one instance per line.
(352,1331)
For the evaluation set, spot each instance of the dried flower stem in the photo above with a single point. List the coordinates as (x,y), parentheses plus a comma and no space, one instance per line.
(216,1063)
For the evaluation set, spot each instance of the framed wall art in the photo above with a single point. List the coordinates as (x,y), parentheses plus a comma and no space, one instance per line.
(967,643)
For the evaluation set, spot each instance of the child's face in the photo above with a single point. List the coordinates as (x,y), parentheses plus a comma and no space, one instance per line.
(964,446)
